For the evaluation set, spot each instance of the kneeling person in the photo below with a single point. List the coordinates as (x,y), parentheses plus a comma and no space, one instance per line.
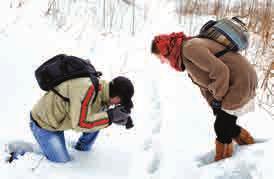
(51,116)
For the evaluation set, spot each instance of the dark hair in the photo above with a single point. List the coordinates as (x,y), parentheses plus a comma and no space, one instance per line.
(122,87)
(154,48)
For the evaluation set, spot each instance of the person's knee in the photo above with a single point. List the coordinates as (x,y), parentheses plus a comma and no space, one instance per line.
(59,159)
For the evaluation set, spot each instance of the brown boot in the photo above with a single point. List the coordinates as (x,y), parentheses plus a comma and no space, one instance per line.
(244,138)
(223,150)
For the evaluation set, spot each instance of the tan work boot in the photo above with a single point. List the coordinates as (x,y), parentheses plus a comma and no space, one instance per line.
(223,150)
(244,138)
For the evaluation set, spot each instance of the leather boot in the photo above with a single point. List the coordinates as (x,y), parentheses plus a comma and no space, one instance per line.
(244,138)
(223,150)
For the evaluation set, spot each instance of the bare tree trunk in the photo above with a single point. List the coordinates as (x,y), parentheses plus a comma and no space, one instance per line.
(128,2)
(51,6)
(133,18)
(145,10)
(180,11)
(104,14)
(217,7)
(113,8)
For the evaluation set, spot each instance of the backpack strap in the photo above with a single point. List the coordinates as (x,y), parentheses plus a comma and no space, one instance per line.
(218,54)
(222,52)
(61,96)
(95,83)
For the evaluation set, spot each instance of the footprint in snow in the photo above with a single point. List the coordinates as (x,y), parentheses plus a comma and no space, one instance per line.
(155,164)
(148,144)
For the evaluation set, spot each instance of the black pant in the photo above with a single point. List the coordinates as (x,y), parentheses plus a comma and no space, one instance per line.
(225,127)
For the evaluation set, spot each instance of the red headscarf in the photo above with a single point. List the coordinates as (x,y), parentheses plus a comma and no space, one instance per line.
(170,46)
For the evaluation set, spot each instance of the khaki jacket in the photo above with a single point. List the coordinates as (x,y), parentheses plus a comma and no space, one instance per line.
(52,113)
(230,78)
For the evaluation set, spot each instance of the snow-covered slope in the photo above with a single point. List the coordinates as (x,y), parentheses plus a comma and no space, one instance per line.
(173,135)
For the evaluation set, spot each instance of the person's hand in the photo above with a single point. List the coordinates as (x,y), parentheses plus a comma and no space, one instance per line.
(118,115)
(216,106)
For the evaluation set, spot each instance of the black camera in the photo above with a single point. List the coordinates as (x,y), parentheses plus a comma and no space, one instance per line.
(129,123)
(127,109)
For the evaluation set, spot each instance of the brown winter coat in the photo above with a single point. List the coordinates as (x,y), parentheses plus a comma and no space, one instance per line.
(230,78)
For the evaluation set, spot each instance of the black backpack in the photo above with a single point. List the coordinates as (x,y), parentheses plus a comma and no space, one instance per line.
(61,68)
(232,33)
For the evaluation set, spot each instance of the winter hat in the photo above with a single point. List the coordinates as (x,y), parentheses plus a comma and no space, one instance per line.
(170,46)
(122,87)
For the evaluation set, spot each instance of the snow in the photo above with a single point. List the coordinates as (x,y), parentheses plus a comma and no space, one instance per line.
(173,135)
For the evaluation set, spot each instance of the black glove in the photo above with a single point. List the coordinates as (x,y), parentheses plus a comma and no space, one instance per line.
(118,115)
(129,123)
(216,106)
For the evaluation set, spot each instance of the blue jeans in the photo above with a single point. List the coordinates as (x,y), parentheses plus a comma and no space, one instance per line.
(52,143)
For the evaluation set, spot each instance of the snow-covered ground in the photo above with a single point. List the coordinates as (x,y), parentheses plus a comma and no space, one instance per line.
(173,135)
